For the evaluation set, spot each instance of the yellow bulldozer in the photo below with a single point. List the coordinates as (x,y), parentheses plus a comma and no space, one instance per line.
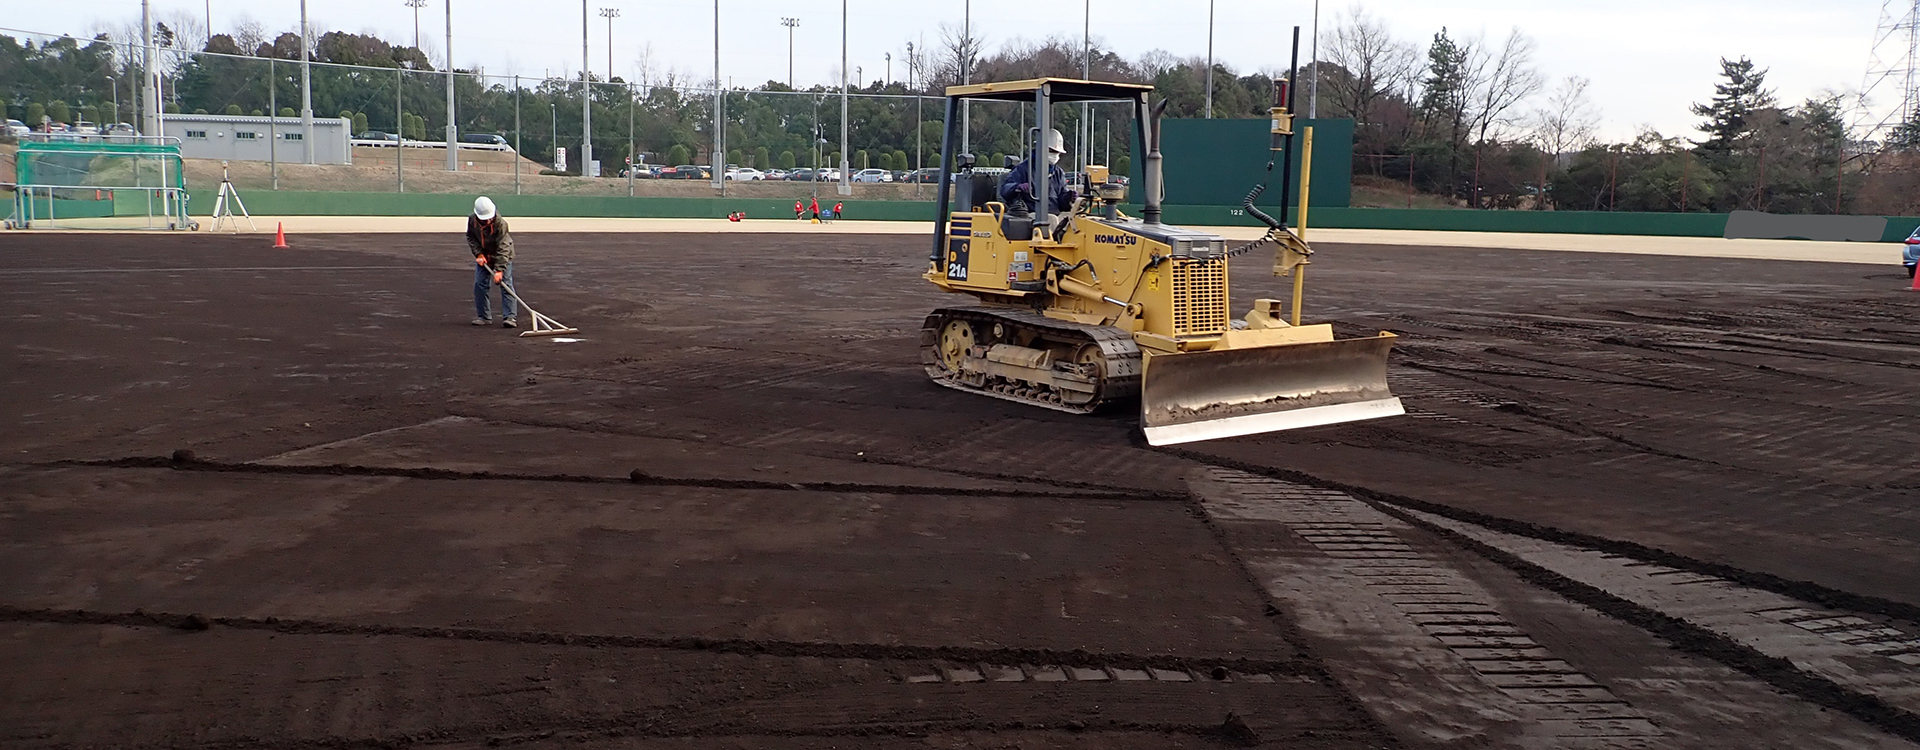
(1084,306)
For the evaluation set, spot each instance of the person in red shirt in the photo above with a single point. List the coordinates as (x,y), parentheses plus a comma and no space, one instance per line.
(837,208)
(816,209)
(799,210)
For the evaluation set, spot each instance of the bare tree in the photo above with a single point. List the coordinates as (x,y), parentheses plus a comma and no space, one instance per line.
(1496,83)
(1373,66)
(249,34)
(646,66)
(959,55)
(1566,123)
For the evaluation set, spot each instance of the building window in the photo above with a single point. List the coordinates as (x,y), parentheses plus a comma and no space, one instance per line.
(292,136)
(245,135)
(201,134)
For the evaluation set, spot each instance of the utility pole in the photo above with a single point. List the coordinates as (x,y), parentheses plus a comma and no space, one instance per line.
(516,134)
(789,23)
(453,130)
(150,87)
(889,79)
(586,100)
(719,117)
(846,186)
(116,98)
(306,87)
(610,14)
(416,5)
(1210,59)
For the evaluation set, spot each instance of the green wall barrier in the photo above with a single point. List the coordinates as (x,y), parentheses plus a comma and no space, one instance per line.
(1550,222)
(1215,162)
(268,203)
(287,203)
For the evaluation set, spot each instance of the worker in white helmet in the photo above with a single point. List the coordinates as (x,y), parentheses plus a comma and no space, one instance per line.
(492,250)
(1016,190)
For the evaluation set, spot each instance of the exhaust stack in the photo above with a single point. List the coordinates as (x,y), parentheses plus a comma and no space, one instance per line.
(1150,210)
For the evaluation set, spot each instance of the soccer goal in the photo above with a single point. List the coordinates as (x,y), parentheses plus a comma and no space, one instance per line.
(99,182)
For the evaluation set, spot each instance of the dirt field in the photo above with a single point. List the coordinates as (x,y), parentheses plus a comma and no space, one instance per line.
(291,499)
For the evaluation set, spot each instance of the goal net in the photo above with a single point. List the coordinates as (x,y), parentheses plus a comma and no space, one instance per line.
(97,183)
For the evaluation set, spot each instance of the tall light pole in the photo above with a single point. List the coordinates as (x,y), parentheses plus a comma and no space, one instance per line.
(416,5)
(719,119)
(846,186)
(966,76)
(1313,94)
(1209,59)
(306,88)
(789,23)
(889,79)
(149,96)
(586,100)
(453,130)
(610,14)
(553,111)
(1084,133)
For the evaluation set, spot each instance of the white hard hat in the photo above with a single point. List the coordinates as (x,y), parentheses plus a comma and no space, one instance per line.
(483,208)
(1055,142)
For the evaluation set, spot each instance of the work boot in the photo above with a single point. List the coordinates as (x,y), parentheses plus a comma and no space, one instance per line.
(481,321)
(509,323)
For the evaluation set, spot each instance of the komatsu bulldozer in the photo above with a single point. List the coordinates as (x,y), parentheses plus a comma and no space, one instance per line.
(1082,308)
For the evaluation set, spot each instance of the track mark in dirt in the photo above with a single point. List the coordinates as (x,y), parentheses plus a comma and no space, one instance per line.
(1458,665)
(1076,658)
(997,673)
(1855,655)
(639,478)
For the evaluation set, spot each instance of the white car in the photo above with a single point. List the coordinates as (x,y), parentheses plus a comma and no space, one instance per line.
(17,128)
(82,127)
(746,174)
(873,175)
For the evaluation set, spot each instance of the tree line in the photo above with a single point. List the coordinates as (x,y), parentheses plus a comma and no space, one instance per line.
(1469,119)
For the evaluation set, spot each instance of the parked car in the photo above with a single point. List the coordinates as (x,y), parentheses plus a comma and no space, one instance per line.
(379,135)
(484,138)
(924,175)
(746,174)
(17,128)
(827,175)
(899,175)
(872,175)
(640,172)
(802,174)
(82,127)
(775,174)
(1910,257)
(687,172)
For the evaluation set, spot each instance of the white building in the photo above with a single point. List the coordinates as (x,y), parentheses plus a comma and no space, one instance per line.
(241,138)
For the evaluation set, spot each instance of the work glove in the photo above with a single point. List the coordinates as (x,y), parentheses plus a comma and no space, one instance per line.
(498,275)
(1071,196)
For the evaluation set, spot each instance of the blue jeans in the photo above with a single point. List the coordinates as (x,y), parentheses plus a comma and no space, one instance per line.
(483,281)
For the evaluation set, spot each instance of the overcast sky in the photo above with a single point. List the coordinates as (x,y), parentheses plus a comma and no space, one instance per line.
(1648,59)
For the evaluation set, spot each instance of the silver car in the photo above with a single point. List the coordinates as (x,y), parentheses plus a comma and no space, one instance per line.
(1910,257)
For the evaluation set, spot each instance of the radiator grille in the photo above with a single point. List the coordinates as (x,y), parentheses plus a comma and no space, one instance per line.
(1199,298)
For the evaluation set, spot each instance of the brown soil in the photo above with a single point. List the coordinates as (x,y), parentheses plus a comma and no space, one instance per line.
(291,499)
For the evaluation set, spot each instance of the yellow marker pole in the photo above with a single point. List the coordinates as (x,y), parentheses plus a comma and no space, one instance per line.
(1306,181)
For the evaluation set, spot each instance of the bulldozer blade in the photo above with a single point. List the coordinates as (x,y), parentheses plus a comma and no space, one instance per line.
(1215,394)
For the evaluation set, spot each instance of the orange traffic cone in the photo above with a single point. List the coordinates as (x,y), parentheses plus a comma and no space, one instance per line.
(280,236)
(1916,282)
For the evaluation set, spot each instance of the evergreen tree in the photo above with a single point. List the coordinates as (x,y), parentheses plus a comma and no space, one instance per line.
(760,158)
(59,111)
(233,109)
(860,159)
(1733,105)
(1443,104)
(677,155)
(787,161)
(359,122)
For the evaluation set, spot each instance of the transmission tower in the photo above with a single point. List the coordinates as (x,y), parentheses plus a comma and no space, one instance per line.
(1893,72)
